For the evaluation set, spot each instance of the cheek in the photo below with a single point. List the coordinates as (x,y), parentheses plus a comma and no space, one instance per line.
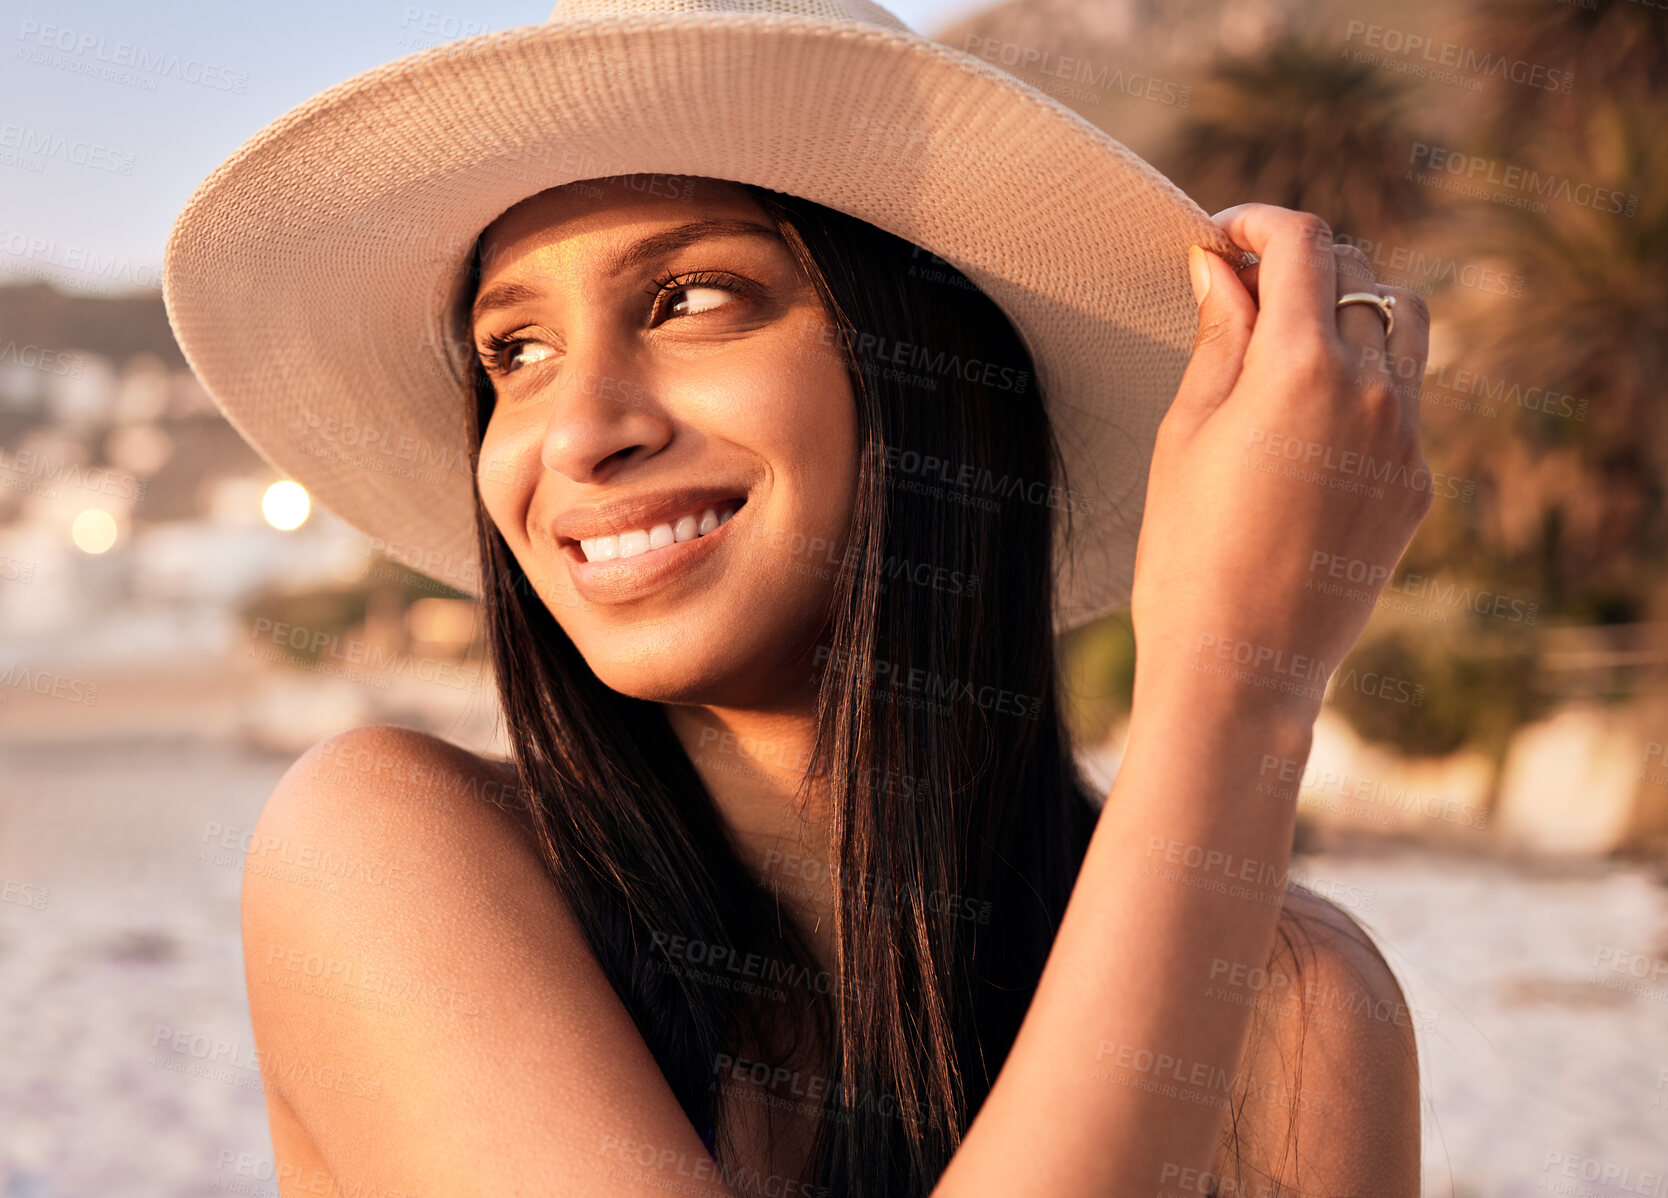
(806,421)
(826,447)
(506,476)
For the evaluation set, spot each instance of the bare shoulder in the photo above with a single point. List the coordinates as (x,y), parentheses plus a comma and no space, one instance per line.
(383,773)
(1328,1101)
(427,1012)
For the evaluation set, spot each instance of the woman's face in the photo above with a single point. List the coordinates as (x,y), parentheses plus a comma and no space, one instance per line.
(650,376)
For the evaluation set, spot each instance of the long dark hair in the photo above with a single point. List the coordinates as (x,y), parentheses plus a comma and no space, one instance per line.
(959,819)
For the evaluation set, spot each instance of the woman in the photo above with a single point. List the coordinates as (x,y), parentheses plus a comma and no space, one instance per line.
(797,890)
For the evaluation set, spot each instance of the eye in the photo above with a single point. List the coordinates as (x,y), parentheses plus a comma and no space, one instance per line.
(505,354)
(701,290)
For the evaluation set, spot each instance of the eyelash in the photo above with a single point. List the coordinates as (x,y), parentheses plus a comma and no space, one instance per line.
(494,346)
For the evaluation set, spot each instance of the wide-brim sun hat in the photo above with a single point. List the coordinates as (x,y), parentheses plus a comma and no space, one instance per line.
(314,280)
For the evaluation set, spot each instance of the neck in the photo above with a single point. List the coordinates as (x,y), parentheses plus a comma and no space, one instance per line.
(753,764)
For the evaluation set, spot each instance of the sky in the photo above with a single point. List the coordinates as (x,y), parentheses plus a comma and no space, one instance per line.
(112,113)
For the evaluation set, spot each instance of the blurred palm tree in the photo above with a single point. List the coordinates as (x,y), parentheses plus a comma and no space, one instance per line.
(1580,511)
(1301,126)
(1616,50)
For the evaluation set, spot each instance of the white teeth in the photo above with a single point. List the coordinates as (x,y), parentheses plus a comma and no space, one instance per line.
(644,540)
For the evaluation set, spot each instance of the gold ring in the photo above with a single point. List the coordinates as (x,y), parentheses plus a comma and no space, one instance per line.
(1384,304)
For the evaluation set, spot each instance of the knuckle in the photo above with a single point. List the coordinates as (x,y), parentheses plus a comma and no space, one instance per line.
(1356,257)
(1312,228)
(1411,302)
(1380,405)
(1424,500)
(1315,364)
(1214,331)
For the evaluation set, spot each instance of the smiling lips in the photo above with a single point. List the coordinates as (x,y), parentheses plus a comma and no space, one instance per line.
(687,527)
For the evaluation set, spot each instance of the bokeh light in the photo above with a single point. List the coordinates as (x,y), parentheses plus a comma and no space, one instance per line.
(94,531)
(285,505)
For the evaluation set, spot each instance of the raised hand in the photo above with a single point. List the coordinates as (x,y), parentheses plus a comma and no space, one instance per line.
(1288,477)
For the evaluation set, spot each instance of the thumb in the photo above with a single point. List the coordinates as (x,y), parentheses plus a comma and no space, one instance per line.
(1226,315)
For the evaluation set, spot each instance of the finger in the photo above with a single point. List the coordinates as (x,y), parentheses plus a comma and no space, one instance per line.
(1248,276)
(1296,267)
(1407,350)
(1358,326)
(1227,316)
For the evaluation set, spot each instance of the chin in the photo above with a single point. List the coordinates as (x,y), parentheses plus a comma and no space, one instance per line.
(722,668)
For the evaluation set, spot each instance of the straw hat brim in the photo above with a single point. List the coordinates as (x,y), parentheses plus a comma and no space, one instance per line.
(313,279)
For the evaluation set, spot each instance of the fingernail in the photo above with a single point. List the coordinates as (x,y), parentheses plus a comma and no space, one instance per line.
(1199,269)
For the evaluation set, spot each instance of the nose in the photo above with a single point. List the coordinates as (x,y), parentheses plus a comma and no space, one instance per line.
(600,414)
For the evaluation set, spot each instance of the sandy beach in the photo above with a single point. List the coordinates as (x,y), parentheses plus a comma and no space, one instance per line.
(130,1066)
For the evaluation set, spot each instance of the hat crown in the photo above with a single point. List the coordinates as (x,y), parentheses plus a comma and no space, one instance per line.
(861,11)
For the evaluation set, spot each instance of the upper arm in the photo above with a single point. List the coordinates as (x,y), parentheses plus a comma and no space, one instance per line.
(424,1001)
(1330,1104)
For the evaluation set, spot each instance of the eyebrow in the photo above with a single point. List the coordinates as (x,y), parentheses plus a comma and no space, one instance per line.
(655,245)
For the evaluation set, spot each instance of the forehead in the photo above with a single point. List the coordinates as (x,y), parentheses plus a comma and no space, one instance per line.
(598,216)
